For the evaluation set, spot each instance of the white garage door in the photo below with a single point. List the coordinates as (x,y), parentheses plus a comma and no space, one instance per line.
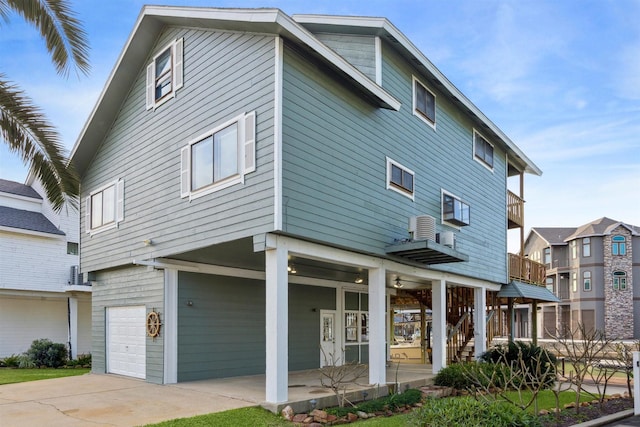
(126,349)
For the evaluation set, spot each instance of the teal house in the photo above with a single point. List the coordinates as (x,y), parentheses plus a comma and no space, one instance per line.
(258,189)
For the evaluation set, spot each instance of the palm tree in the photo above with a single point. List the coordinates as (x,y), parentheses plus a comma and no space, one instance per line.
(23,125)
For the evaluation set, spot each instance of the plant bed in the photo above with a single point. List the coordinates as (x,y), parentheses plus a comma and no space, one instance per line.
(569,417)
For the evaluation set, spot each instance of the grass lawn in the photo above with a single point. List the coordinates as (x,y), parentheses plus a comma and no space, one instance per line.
(12,375)
(546,399)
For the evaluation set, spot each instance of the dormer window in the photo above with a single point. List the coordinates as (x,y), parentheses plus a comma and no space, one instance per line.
(165,74)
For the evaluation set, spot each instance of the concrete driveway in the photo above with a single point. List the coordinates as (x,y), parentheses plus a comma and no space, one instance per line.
(105,400)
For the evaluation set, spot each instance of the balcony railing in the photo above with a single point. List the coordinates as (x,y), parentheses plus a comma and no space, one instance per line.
(515,210)
(526,270)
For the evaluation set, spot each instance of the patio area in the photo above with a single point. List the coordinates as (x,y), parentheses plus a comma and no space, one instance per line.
(306,391)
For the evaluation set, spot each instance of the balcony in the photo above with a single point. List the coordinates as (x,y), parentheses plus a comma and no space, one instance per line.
(515,210)
(525,270)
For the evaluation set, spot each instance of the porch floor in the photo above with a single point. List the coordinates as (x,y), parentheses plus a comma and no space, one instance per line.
(305,386)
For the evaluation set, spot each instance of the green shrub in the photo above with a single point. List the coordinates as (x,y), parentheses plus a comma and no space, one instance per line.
(82,361)
(392,401)
(468,412)
(10,361)
(43,352)
(469,376)
(520,356)
(25,362)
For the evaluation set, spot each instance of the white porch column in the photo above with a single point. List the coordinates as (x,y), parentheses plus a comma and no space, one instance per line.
(73,326)
(277,324)
(480,321)
(439,324)
(170,326)
(377,327)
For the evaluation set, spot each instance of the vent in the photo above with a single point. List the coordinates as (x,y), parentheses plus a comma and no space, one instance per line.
(422,227)
(74,276)
(447,238)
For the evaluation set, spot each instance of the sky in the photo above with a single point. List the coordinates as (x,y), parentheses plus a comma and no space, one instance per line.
(560,78)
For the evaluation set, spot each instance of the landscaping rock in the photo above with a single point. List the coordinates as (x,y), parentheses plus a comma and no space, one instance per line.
(319,416)
(543,412)
(351,417)
(299,418)
(287,413)
(362,415)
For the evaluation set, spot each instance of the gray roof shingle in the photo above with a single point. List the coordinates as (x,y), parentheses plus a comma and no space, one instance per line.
(555,235)
(13,187)
(27,220)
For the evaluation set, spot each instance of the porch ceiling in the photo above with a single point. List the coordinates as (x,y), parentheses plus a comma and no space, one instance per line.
(426,252)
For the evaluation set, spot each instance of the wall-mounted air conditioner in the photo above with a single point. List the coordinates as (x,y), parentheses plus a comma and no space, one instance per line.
(74,275)
(447,238)
(422,227)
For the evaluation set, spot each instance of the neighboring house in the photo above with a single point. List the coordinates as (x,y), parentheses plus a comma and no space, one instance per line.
(40,292)
(251,177)
(591,269)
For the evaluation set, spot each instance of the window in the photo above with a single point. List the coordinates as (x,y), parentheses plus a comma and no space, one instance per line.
(574,249)
(356,318)
(399,178)
(220,158)
(574,282)
(105,207)
(618,245)
(424,103)
(586,246)
(586,280)
(547,257)
(165,74)
(619,280)
(482,150)
(454,210)
(549,284)
(72,248)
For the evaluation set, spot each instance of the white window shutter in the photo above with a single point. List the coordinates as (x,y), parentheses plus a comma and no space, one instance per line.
(87,216)
(178,72)
(151,85)
(185,184)
(120,201)
(250,142)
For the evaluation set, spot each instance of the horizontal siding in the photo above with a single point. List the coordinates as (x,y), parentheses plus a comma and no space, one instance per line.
(360,51)
(128,287)
(334,176)
(226,74)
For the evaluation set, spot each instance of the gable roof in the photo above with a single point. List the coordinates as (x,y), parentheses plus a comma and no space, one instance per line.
(27,220)
(600,227)
(383,28)
(18,189)
(153,19)
(553,235)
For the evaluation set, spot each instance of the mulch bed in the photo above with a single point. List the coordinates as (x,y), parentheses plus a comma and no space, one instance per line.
(569,417)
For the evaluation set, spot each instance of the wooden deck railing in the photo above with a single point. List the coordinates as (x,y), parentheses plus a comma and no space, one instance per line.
(526,270)
(515,210)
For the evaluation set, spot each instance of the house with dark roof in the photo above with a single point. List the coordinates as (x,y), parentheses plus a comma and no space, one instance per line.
(41,295)
(591,268)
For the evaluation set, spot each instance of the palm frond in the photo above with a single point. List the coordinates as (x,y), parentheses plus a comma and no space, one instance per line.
(64,36)
(27,132)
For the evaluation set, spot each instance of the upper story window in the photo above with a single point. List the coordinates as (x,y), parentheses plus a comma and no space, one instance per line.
(618,245)
(219,158)
(165,74)
(455,211)
(619,280)
(574,282)
(400,178)
(550,284)
(574,249)
(547,256)
(105,207)
(424,103)
(482,150)
(586,246)
(586,280)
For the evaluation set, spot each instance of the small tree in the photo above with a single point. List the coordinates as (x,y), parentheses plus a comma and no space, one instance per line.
(338,376)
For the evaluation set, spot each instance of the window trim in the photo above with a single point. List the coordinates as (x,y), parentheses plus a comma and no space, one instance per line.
(422,116)
(586,279)
(619,280)
(586,247)
(176,51)
(246,157)
(455,224)
(479,159)
(618,242)
(396,187)
(118,207)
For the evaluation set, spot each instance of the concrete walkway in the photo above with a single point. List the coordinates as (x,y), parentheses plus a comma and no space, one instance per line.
(104,400)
